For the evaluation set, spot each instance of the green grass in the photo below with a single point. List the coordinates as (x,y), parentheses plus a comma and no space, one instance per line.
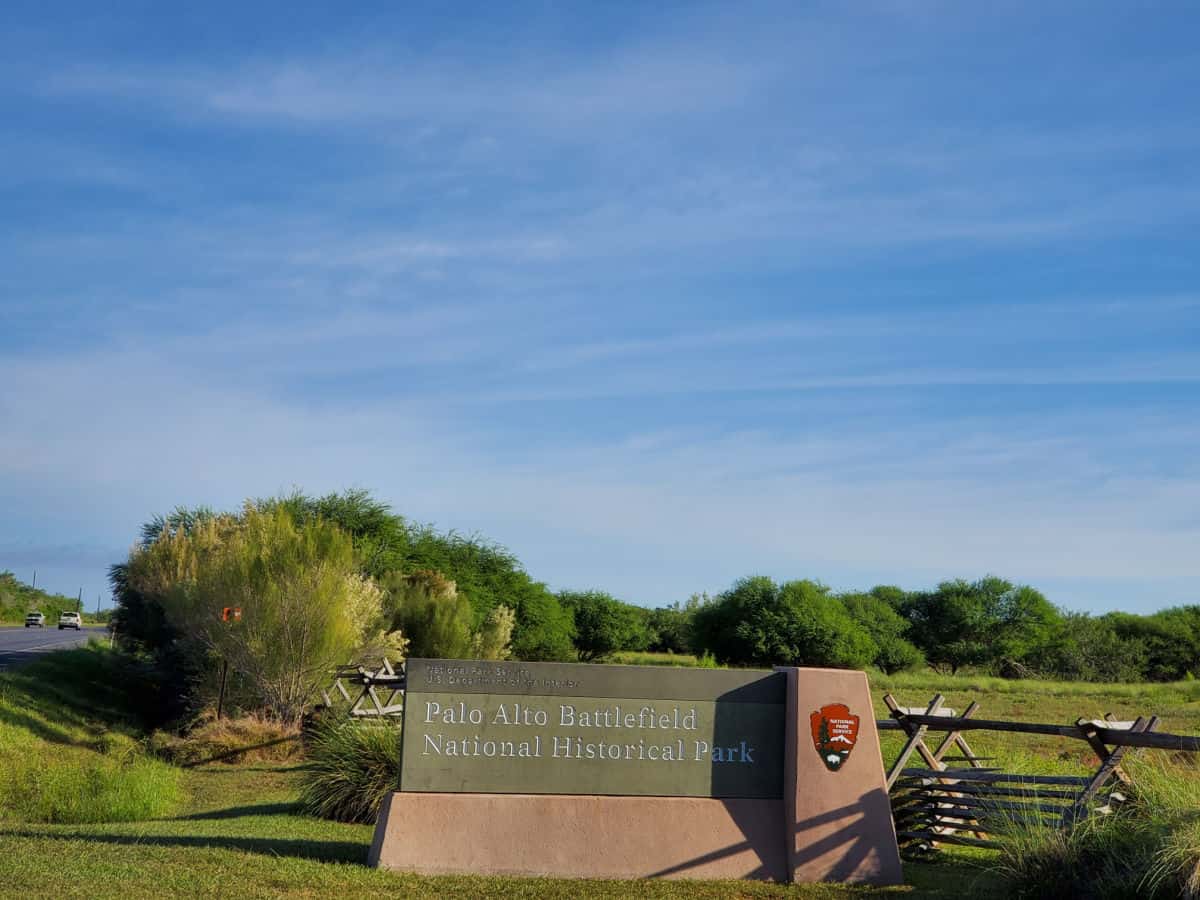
(240,829)
(242,834)
(60,761)
(646,658)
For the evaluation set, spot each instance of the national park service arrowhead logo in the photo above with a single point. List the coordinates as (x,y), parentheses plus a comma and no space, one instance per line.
(834,732)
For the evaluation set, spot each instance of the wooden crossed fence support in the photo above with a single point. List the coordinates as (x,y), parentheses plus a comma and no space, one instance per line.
(916,736)
(1110,761)
(368,703)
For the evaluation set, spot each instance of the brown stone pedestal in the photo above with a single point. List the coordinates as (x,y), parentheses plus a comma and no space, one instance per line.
(838,824)
(828,825)
(581,837)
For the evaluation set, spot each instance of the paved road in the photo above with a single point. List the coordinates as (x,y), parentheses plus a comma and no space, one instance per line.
(20,645)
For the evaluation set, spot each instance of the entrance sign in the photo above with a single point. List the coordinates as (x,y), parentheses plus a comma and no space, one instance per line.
(517,728)
(598,771)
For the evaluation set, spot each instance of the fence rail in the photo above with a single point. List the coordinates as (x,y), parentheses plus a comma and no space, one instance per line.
(1116,737)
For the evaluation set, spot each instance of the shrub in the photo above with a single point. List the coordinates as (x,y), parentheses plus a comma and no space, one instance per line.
(604,625)
(305,607)
(543,631)
(887,628)
(671,626)
(494,638)
(351,768)
(759,623)
(427,608)
(486,574)
(979,623)
(1089,648)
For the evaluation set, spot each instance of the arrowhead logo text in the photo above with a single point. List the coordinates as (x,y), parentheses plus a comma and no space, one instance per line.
(834,732)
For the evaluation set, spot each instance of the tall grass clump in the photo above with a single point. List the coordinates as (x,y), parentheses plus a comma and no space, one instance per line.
(351,767)
(84,788)
(1173,789)
(1149,848)
(1100,857)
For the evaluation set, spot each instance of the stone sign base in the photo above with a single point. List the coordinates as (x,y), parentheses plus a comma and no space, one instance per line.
(833,822)
(570,836)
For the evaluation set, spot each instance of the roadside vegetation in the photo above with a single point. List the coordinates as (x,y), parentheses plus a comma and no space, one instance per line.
(69,743)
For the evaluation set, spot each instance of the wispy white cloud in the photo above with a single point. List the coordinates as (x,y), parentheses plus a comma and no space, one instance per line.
(1019,496)
(365,85)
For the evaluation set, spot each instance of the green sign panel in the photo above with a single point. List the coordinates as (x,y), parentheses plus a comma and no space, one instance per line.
(558,728)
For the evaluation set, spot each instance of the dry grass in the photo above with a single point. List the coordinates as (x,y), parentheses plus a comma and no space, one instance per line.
(245,739)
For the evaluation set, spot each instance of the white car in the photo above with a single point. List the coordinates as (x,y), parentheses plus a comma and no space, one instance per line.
(35,618)
(70,620)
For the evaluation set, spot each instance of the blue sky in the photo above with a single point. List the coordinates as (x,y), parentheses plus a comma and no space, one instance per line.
(657,295)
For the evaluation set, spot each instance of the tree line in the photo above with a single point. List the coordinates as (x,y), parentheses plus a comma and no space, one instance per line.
(988,625)
(323,580)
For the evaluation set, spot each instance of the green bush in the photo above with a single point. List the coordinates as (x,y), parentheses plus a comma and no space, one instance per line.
(69,789)
(486,574)
(894,653)
(979,623)
(605,625)
(304,605)
(351,768)
(759,623)
(427,608)
(671,626)
(543,630)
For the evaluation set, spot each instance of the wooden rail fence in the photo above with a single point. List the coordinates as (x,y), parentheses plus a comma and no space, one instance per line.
(939,803)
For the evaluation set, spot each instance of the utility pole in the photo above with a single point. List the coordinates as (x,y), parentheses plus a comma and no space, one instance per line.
(35,579)
(79,602)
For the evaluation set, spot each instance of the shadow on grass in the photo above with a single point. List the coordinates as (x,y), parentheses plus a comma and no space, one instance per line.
(229,755)
(953,876)
(221,769)
(237,812)
(93,682)
(36,726)
(319,851)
